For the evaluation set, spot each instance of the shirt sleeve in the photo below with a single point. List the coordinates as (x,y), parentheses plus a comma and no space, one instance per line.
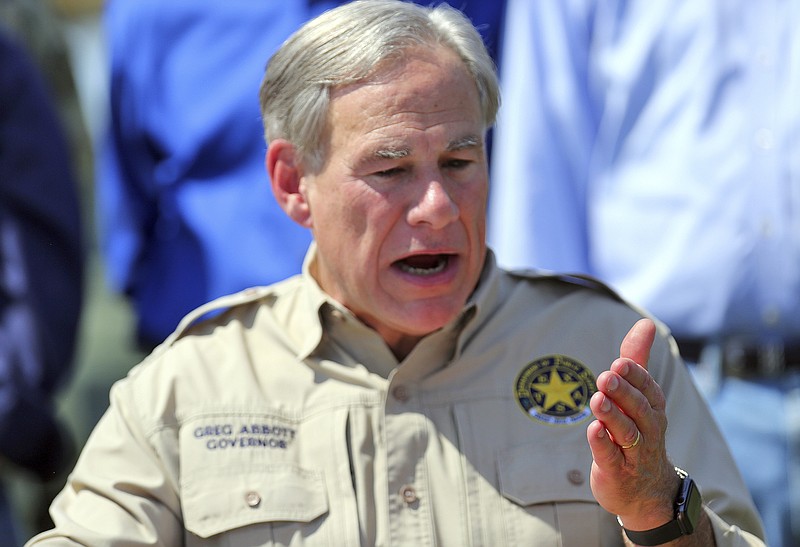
(121,492)
(727,534)
(695,444)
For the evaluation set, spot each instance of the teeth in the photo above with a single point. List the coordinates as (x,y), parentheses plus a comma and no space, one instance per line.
(440,266)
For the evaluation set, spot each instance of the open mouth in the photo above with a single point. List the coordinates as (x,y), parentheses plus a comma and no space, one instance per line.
(424,265)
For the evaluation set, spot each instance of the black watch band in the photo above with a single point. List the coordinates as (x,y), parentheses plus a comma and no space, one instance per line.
(688,505)
(656,536)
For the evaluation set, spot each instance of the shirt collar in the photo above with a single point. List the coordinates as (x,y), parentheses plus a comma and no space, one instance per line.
(306,321)
(315,309)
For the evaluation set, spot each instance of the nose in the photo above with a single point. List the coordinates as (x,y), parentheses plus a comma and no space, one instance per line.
(434,206)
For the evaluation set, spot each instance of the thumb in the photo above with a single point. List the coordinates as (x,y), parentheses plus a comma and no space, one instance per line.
(637,343)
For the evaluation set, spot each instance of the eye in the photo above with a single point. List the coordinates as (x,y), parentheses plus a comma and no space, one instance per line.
(387,173)
(457,163)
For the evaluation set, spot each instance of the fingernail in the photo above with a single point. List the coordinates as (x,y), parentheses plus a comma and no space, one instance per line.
(613,383)
(605,406)
(623,369)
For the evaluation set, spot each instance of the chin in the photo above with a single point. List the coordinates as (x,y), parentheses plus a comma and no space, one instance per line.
(430,318)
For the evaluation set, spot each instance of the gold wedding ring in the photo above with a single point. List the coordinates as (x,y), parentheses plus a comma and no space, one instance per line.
(634,443)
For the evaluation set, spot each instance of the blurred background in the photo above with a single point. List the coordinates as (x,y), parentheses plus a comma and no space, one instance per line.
(65,38)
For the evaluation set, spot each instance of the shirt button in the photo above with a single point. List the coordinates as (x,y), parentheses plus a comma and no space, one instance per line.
(408,494)
(337,314)
(400,393)
(576,477)
(252,499)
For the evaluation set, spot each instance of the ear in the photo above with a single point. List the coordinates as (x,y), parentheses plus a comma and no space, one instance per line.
(286,178)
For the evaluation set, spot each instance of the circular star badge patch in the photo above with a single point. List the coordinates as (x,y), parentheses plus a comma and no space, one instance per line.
(555,390)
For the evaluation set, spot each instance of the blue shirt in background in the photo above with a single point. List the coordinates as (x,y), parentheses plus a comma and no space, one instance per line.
(656,145)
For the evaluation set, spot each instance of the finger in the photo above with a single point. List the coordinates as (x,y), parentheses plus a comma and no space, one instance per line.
(624,407)
(640,379)
(610,476)
(637,343)
(622,428)
(604,450)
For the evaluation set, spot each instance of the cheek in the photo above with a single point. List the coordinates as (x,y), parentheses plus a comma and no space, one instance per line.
(370,214)
(344,224)
(329,208)
(473,208)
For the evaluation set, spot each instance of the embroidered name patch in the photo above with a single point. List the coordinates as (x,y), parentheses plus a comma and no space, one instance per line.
(555,390)
(231,436)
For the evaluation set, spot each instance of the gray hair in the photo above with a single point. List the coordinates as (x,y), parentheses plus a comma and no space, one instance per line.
(349,44)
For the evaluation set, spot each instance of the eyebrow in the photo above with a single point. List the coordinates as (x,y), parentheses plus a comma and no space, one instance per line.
(392,153)
(468,141)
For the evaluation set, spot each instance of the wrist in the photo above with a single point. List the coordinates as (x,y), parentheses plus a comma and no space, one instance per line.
(656,512)
(687,508)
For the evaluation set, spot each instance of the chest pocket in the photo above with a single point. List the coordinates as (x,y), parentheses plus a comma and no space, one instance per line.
(252,505)
(266,478)
(548,485)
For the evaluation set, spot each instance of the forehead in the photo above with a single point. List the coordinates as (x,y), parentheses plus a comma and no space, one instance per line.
(430,90)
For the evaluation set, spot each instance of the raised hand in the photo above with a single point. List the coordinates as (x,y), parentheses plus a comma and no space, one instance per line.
(631,474)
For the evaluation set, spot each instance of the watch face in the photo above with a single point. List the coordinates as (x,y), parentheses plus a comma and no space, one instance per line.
(689,505)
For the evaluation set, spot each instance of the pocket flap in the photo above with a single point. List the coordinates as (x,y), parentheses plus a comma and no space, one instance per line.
(226,499)
(545,472)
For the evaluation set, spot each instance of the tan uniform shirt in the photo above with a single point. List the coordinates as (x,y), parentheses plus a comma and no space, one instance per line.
(283,420)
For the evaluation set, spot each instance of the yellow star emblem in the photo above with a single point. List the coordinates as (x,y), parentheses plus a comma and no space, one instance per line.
(557,391)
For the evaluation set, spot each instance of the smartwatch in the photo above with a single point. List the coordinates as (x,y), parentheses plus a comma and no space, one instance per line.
(688,505)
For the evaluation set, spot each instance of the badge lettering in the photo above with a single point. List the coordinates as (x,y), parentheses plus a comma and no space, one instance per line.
(227,436)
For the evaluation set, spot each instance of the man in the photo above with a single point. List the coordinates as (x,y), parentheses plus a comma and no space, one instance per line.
(653,145)
(183,141)
(403,390)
